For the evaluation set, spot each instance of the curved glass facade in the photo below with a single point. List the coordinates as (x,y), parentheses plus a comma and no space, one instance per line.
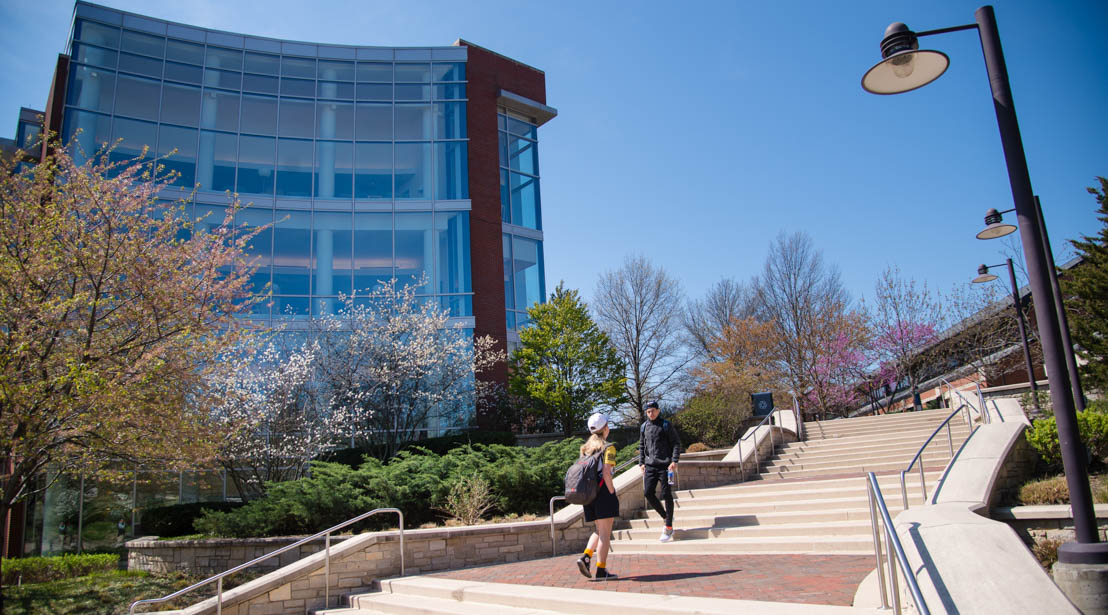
(358,156)
(520,212)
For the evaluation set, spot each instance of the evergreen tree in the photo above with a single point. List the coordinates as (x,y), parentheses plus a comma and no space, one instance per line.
(1086,291)
(566,366)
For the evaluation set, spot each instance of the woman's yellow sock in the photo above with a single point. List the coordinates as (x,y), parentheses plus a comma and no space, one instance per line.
(588,552)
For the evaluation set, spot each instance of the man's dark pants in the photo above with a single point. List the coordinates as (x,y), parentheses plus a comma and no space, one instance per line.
(651,478)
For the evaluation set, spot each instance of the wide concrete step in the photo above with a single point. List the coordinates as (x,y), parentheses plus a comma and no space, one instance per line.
(448,596)
(927,426)
(783,473)
(910,440)
(854,527)
(888,422)
(887,419)
(654,524)
(856,545)
(752,508)
(756,488)
(853,488)
(824,463)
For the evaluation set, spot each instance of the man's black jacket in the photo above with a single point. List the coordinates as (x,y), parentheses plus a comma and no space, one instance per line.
(658,443)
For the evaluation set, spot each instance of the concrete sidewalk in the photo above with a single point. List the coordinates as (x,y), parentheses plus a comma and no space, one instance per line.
(810,579)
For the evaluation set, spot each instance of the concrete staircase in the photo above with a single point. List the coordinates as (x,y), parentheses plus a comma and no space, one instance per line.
(810,497)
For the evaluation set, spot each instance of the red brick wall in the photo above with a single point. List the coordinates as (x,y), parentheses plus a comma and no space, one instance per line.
(488,73)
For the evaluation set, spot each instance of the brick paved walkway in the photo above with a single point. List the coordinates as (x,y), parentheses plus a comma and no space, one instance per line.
(812,579)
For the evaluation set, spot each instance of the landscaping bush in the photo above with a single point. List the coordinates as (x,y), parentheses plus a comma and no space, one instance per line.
(417,481)
(1092,426)
(697,447)
(1046,551)
(353,457)
(1046,491)
(40,569)
(177,519)
(713,420)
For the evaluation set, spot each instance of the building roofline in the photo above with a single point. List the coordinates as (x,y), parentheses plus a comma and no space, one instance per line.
(461,42)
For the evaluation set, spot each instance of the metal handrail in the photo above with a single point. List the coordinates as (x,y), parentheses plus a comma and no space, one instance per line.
(327,563)
(752,432)
(919,456)
(877,506)
(799,421)
(984,411)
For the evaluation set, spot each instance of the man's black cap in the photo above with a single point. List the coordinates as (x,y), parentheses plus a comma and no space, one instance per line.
(651,404)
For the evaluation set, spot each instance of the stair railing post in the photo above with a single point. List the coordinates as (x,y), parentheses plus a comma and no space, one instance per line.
(922,484)
(895,589)
(949,440)
(327,571)
(903,490)
(877,546)
(219,596)
(742,462)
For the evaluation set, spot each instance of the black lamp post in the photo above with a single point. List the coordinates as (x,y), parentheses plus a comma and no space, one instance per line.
(983,275)
(995,227)
(906,68)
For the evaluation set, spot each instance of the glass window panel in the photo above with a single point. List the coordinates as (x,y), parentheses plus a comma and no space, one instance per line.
(135,136)
(97,34)
(228,40)
(259,114)
(522,129)
(94,132)
(413,170)
(452,270)
(413,122)
(298,67)
(509,293)
(334,120)
(216,159)
(380,72)
(334,70)
(145,44)
(505,198)
(142,23)
(141,65)
(501,121)
(183,160)
(450,120)
(335,90)
(294,167)
(457,306)
(449,71)
(229,59)
(297,118)
(510,320)
(525,200)
(405,91)
(372,249)
(259,249)
(222,79)
(503,148)
(180,104)
(289,307)
(334,170)
(184,52)
(292,248)
(332,253)
(256,158)
(527,265)
(374,122)
(450,91)
(413,73)
(373,171)
(220,110)
(451,170)
(91,88)
(185,32)
(413,249)
(262,63)
(136,97)
(94,55)
(259,83)
(297,87)
(183,72)
(209,217)
(523,155)
(374,91)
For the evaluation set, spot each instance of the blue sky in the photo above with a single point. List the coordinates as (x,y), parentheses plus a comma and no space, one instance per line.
(695,133)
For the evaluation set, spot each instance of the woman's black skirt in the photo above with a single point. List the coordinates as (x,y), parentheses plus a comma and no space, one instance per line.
(605,506)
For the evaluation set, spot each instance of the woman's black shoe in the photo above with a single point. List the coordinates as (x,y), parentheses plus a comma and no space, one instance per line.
(602,573)
(583,565)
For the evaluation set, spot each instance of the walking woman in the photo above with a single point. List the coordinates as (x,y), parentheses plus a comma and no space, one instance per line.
(605,508)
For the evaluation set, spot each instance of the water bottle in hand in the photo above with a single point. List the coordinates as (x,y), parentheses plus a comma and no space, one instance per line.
(669,476)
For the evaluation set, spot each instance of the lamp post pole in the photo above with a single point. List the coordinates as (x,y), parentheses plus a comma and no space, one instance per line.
(1063,321)
(1023,333)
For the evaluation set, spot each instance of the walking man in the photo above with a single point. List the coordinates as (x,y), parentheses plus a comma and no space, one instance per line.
(659,449)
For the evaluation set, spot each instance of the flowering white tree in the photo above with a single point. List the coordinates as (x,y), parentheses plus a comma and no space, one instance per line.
(390,363)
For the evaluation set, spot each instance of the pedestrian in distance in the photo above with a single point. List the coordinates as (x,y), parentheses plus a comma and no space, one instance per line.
(659,450)
(604,509)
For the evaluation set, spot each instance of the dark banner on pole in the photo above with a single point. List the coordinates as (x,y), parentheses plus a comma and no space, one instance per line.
(762,403)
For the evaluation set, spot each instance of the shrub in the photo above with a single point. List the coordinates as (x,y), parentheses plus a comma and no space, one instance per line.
(697,447)
(1027,402)
(1046,551)
(712,420)
(177,519)
(441,445)
(1046,491)
(469,499)
(1092,426)
(40,569)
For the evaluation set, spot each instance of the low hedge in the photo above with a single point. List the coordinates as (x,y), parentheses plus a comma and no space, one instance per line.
(1092,427)
(41,569)
(441,445)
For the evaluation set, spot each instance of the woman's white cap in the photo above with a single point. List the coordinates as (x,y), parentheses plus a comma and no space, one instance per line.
(597,422)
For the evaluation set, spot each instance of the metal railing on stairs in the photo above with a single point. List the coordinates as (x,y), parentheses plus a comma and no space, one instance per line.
(326,534)
(878,510)
(752,433)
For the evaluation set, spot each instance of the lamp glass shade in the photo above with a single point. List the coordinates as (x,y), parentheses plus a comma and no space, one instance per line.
(984,277)
(905,71)
(997,229)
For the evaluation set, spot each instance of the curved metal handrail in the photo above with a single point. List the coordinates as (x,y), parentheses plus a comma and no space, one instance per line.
(984,410)
(327,563)
(919,456)
(878,508)
(752,432)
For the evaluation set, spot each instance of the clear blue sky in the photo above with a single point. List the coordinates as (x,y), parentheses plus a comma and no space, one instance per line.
(696,132)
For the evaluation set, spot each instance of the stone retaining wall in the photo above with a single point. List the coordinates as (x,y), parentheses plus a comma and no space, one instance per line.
(1048,522)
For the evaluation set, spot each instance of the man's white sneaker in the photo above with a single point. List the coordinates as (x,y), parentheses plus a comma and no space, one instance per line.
(667,535)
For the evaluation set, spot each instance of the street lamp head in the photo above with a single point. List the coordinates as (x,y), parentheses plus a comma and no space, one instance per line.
(904,67)
(983,275)
(995,226)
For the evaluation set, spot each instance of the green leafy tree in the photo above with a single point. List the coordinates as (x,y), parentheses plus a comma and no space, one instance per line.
(1086,290)
(566,366)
